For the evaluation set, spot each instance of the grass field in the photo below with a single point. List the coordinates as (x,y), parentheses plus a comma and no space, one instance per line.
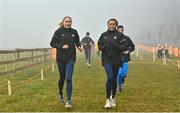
(150,86)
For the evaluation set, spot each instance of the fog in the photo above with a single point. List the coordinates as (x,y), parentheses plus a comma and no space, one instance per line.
(31,23)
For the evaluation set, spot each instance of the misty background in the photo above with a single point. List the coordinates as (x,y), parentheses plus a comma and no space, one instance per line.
(31,23)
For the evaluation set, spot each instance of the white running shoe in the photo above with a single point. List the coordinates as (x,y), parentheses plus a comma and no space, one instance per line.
(88,65)
(68,105)
(108,104)
(113,102)
(61,98)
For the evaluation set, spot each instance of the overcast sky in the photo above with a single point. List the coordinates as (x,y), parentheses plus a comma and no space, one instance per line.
(31,23)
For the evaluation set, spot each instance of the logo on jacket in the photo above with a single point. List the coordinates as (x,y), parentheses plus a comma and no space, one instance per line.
(73,35)
(123,40)
(115,37)
(105,37)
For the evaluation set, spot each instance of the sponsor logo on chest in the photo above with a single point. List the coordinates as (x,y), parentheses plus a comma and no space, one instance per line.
(73,35)
(123,40)
(105,37)
(115,37)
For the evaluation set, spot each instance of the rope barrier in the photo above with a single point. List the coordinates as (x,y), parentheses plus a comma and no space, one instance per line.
(172,62)
(48,67)
(27,80)
(3,85)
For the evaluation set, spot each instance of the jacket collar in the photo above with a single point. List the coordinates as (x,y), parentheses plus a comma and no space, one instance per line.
(66,29)
(111,31)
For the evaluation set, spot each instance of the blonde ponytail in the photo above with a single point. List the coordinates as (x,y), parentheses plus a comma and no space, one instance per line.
(61,23)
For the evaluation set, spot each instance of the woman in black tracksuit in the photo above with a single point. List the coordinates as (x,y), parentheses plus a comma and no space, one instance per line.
(109,44)
(65,40)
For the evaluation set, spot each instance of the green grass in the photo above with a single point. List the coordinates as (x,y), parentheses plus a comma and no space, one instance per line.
(150,86)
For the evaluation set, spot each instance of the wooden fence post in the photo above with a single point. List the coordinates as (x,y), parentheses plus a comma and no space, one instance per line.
(9,88)
(42,75)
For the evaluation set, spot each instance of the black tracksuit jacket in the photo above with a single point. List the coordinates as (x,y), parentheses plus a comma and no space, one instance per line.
(64,36)
(86,43)
(110,45)
(131,47)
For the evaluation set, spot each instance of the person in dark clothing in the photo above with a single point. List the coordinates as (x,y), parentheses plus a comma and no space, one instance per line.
(109,44)
(87,44)
(65,40)
(125,58)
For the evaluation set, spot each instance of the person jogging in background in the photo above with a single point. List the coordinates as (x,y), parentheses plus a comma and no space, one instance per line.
(87,44)
(109,44)
(125,58)
(65,40)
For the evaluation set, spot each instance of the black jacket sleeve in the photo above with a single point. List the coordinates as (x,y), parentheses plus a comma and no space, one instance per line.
(54,43)
(82,41)
(101,45)
(118,45)
(92,41)
(131,45)
(77,42)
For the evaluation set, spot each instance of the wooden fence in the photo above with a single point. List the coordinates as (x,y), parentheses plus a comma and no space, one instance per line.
(18,59)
